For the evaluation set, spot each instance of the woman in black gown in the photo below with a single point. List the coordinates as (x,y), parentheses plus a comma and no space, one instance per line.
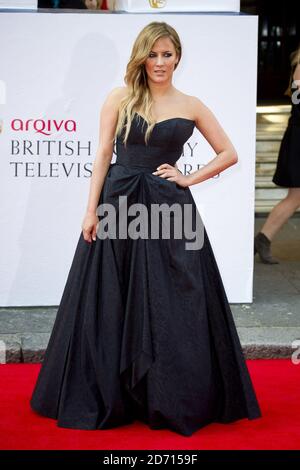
(144,329)
(287,172)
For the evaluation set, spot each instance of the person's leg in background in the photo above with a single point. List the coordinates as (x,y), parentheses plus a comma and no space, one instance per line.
(276,219)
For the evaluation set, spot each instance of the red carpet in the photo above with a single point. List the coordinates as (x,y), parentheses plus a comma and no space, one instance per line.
(276,383)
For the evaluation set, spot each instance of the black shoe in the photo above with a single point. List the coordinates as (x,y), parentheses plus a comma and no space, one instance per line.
(262,246)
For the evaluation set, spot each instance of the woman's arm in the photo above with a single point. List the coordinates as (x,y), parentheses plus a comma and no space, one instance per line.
(107,126)
(210,128)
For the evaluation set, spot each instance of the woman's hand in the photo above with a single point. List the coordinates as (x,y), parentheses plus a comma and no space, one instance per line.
(89,227)
(172,173)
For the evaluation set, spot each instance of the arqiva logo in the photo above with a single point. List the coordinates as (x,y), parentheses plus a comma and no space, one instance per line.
(42,126)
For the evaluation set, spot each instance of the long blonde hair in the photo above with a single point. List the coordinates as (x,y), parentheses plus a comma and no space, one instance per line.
(138,98)
(294,60)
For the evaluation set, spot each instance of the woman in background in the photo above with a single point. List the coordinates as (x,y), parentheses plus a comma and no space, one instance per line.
(287,173)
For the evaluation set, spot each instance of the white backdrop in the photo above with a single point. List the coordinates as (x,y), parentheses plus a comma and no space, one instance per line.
(59,68)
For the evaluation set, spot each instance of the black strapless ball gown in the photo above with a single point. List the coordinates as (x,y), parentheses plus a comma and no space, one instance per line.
(144,329)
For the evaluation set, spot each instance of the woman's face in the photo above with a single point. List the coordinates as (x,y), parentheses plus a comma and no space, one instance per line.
(161,61)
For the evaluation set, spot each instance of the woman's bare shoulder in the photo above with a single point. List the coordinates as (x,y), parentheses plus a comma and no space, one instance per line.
(190,102)
(195,102)
(203,116)
(118,92)
(112,101)
(198,107)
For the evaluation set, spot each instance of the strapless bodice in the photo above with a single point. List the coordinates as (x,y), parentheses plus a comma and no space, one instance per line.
(164,146)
